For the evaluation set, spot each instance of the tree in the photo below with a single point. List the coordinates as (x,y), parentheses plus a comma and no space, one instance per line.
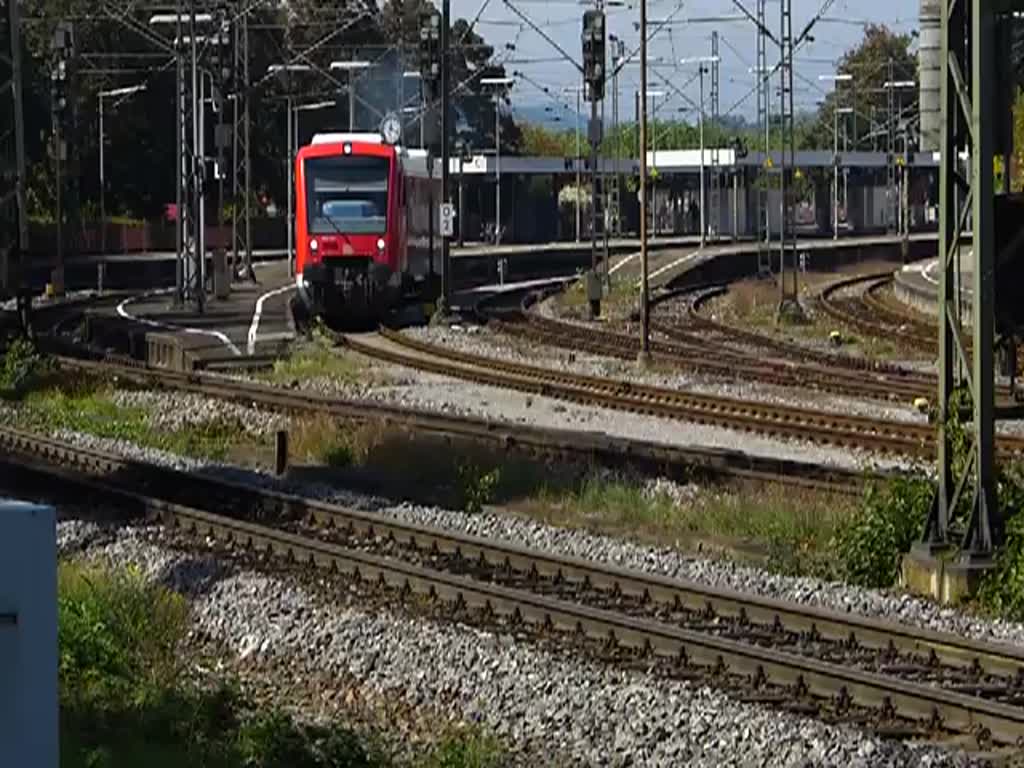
(880,57)
(140,131)
(539,141)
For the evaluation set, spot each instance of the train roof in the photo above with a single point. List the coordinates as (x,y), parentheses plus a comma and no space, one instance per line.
(347,138)
(417,162)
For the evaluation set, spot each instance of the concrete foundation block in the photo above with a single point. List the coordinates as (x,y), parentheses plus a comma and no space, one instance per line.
(164,350)
(938,574)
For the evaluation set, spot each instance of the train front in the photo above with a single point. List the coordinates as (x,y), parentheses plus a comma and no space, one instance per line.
(348,249)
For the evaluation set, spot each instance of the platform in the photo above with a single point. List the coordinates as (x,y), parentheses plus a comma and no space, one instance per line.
(119,271)
(918,284)
(668,263)
(255,320)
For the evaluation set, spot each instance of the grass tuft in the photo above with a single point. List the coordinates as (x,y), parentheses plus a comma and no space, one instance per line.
(464,748)
(320,359)
(791,532)
(84,405)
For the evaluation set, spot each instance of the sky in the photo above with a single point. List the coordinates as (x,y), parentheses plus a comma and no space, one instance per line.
(561,20)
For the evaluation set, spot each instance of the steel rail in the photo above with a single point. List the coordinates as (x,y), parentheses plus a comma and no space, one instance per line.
(843,687)
(790,350)
(819,427)
(608,450)
(916,328)
(689,351)
(860,320)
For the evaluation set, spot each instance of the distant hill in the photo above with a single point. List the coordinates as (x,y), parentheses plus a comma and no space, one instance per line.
(538,114)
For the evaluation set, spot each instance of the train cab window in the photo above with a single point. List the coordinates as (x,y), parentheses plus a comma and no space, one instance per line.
(347,194)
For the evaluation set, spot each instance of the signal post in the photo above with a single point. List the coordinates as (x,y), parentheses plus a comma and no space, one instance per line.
(594,40)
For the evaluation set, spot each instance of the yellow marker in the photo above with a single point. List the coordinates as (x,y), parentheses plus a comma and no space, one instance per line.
(768,162)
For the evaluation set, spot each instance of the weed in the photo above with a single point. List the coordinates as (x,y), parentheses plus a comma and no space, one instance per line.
(869,546)
(336,444)
(274,739)
(319,359)
(792,532)
(618,301)
(123,701)
(476,487)
(84,405)
(117,632)
(464,749)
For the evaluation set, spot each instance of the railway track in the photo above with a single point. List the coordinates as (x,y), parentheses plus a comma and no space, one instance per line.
(844,668)
(871,302)
(868,313)
(789,351)
(892,437)
(679,462)
(700,354)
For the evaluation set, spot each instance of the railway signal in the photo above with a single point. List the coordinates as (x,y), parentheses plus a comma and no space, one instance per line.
(223,52)
(430,53)
(62,111)
(594,38)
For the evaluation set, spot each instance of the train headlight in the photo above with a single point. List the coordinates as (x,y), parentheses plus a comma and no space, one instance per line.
(380,243)
(347,149)
(314,246)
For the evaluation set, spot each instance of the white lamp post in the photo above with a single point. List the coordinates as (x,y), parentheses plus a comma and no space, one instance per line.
(836,111)
(288,70)
(502,82)
(654,96)
(350,67)
(701,61)
(891,86)
(578,90)
(103,205)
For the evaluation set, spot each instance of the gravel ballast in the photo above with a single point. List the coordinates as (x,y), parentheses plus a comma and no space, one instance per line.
(477,340)
(894,606)
(553,709)
(443,394)
(179,410)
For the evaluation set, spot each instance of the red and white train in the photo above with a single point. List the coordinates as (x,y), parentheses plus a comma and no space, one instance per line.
(363,224)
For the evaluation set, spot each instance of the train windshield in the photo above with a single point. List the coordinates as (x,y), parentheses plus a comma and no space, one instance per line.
(347,194)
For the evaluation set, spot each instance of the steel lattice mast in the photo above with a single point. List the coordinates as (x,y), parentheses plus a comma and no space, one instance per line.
(764,255)
(714,218)
(13,213)
(975,105)
(789,296)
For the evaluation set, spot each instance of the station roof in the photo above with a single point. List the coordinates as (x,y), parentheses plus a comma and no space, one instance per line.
(677,161)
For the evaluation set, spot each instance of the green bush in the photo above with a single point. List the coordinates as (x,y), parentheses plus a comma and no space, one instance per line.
(476,487)
(117,632)
(22,366)
(869,545)
(1002,591)
(275,741)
